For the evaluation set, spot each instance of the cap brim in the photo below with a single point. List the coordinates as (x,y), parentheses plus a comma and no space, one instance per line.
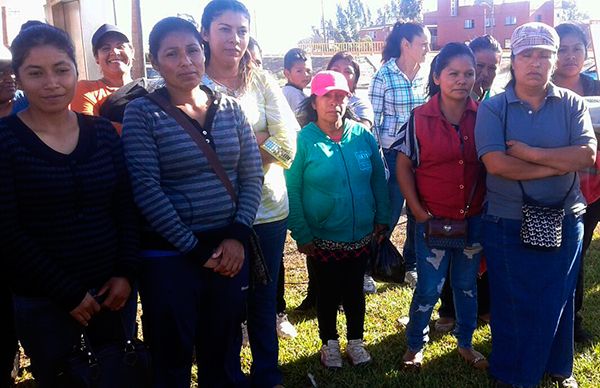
(539,46)
(330,89)
(103,36)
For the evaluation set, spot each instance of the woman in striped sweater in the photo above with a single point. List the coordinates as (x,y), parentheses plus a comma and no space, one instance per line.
(68,226)
(195,277)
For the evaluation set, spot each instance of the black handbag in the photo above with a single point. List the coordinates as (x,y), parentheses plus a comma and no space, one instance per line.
(120,364)
(259,272)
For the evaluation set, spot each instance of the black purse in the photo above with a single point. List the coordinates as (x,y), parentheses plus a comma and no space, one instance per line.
(259,272)
(120,364)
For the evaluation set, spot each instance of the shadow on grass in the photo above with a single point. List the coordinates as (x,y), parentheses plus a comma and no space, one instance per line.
(385,371)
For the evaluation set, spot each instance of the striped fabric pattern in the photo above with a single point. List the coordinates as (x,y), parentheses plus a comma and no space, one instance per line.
(393,96)
(68,222)
(175,187)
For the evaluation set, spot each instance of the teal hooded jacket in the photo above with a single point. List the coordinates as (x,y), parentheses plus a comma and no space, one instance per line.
(337,190)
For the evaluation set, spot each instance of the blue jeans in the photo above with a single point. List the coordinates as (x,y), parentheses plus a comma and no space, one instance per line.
(396,205)
(262,309)
(48,332)
(531,295)
(408,252)
(187,307)
(432,267)
(396,198)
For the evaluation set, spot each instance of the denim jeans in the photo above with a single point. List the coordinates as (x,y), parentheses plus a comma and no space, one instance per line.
(531,294)
(396,205)
(48,332)
(187,307)
(432,268)
(396,198)
(262,309)
(408,252)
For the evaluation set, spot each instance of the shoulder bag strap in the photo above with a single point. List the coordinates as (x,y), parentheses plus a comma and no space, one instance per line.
(523,193)
(200,140)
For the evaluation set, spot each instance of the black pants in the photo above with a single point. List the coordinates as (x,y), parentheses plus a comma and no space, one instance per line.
(335,281)
(590,220)
(446,309)
(281,305)
(8,342)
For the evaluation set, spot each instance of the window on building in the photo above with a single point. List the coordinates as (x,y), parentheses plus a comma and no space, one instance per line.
(453,7)
(490,22)
(469,23)
(507,43)
(510,20)
(538,18)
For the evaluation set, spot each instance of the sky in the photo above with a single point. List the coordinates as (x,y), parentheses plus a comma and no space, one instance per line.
(277,24)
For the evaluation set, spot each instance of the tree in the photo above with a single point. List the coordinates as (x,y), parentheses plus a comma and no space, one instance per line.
(396,10)
(572,13)
(348,21)
(412,10)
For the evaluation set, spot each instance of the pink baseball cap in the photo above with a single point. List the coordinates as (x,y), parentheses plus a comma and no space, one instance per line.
(328,80)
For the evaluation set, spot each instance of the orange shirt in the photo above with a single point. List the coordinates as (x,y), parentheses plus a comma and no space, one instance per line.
(89,96)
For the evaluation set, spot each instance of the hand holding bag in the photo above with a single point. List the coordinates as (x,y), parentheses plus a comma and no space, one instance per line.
(120,364)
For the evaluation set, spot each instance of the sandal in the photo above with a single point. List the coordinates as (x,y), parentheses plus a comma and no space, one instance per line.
(474,358)
(412,360)
(444,324)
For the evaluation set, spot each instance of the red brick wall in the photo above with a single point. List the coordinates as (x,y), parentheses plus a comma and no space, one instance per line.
(452,28)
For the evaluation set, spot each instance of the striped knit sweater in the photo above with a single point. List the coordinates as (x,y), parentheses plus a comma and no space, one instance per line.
(175,187)
(67,222)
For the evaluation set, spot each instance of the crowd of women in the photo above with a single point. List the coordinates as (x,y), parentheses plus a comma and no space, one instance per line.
(215,161)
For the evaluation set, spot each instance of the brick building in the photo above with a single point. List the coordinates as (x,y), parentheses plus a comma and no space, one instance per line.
(463,20)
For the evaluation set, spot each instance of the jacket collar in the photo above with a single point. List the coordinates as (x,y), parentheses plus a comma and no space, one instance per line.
(432,107)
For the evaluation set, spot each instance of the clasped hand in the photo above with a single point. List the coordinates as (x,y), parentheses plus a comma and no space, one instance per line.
(227,259)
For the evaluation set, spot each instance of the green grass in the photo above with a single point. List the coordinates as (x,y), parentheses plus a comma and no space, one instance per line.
(385,340)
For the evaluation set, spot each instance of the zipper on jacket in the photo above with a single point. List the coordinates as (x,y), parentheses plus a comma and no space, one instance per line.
(351,193)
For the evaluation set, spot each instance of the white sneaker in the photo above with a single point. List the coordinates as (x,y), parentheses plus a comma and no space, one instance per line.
(245,339)
(331,357)
(369,285)
(357,353)
(284,328)
(410,278)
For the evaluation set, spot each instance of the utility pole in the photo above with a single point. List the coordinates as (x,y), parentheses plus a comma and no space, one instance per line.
(139,65)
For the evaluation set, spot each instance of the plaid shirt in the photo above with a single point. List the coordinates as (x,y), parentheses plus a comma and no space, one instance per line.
(393,97)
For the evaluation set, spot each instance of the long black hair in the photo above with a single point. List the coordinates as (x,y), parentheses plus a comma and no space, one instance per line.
(393,42)
(213,10)
(441,61)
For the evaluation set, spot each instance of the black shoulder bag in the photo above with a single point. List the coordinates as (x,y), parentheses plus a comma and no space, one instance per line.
(258,267)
